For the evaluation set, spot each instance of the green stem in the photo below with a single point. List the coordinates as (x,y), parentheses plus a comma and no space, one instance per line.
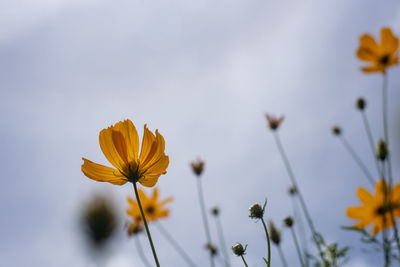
(300,227)
(175,244)
(222,240)
(282,256)
(140,251)
(296,243)
(357,159)
(204,215)
(268,242)
(244,261)
(146,226)
(371,140)
(299,194)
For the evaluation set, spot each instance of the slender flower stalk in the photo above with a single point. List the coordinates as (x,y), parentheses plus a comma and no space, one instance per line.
(140,251)
(204,215)
(176,245)
(146,226)
(215,212)
(282,256)
(357,159)
(296,243)
(244,261)
(300,227)
(268,261)
(299,194)
(367,128)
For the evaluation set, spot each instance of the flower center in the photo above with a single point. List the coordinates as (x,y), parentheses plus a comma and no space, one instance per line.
(388,207)
(384,60)
(150,209)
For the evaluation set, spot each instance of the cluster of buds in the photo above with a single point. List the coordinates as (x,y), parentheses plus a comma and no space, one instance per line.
(239,250)
(197,166)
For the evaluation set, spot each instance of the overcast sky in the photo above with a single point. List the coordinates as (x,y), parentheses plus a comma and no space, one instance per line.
(203,73)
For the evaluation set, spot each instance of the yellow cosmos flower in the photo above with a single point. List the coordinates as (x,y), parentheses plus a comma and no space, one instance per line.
(153,208)
(120,145)
(375,209)
(381,55)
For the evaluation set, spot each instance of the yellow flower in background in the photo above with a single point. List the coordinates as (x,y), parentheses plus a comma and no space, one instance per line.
(153,208)
(381,55)
(120,145)
(375,210)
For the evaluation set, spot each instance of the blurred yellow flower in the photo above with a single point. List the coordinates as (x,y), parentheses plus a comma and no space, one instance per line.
(135,227)
(381,55)
(153,208)
(120,145)
(375,209)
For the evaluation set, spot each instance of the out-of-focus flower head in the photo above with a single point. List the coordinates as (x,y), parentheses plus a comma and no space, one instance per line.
(336,130)
(376,209)
(292,190)
(197,166)
(135,227)
(288,221)
(380,56)
(256,211)
(274,122)
(120,145)
(153,208)
(382,150)
(360,103)
(99,220)
(212,248)
(274,233)
(215,211)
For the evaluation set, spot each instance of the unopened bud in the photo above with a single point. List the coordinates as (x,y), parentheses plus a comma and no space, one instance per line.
(292,190)
(360,103)
(336,130)
(215,211)
(274,233)
(239,250)
(213,249)
(197,166)
(256,211)
(382,150)
(288,221)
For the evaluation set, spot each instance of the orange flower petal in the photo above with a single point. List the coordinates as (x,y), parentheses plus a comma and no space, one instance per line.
(131,138)
(367,54)
(389,43)
(102,173)
(367,41)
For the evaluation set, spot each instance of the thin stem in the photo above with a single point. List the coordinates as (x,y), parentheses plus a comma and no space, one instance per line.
(140,251)
(300,227)
(370,139)
(389,162)
(146,226)
(268,242)
(222,240)
(296,243)
(282,256)
(244,261)
(175,244)
(357,159)
(299,194)
(204,215)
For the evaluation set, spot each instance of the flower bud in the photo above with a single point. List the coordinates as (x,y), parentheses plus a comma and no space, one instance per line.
(213,249)
(288,221)
(215,211)
(292,190)
(256,211)
(239,250)
(382,150)
(336,130)
(274,233)
(360,103)
(197,166)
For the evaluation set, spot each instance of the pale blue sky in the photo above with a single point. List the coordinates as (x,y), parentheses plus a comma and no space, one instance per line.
(203,73)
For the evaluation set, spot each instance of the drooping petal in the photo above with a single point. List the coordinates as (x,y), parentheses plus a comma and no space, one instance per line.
(131,137)
(374,68)
(109,150)
(102,173)
(389,43)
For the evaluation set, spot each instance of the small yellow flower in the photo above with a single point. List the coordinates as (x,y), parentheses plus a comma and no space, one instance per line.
(381,56)
(375,209)
(120,145)
(153,208)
